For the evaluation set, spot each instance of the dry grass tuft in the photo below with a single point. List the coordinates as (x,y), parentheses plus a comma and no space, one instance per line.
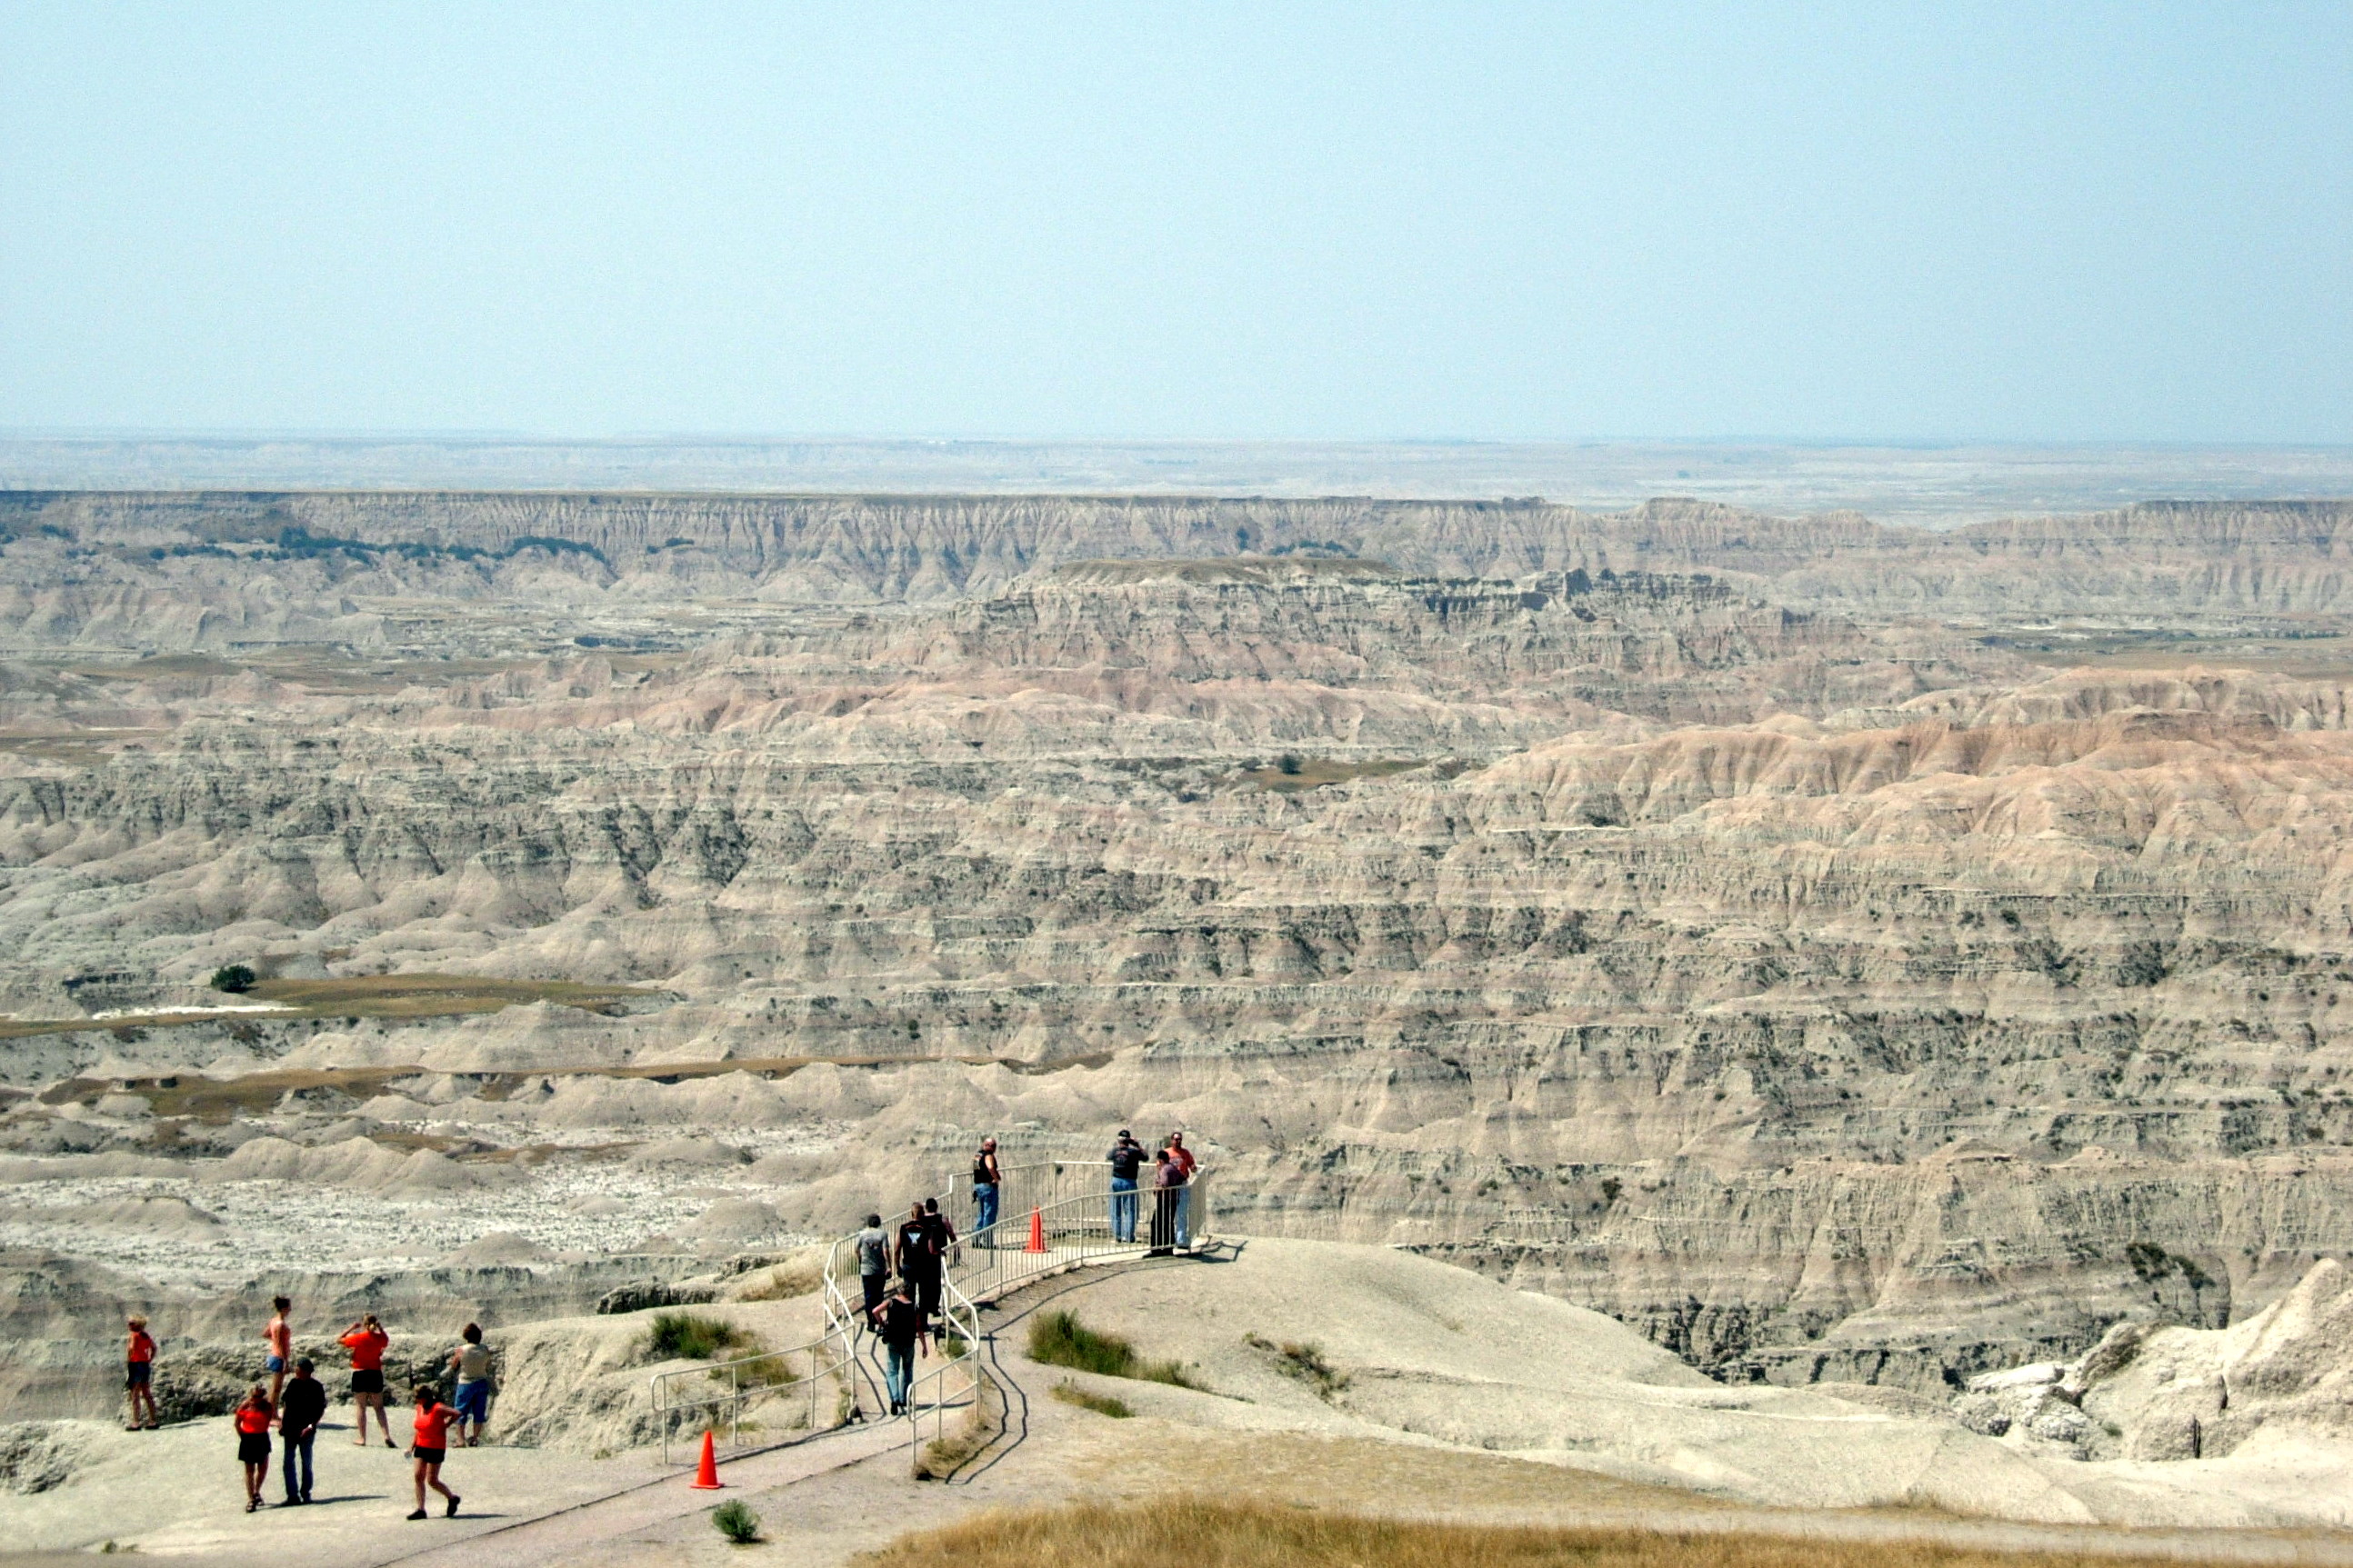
(1204,1534)
(1069,1393)
(796,1276)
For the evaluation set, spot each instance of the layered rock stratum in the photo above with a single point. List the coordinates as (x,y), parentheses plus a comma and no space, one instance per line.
(1748,926)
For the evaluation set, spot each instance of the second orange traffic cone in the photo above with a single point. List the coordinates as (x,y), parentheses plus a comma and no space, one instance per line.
(706,1474)
(1037,1230)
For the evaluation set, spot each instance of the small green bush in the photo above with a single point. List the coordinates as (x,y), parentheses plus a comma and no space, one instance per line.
(1101,1404)
(691,1336)
(234,978)
(1303,1361)
(1059,1339)
(736,1521)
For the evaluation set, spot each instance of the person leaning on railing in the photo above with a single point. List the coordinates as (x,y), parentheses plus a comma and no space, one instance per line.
(1182,1158)
(987,1183)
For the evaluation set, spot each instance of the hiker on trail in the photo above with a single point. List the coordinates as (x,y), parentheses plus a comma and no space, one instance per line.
(918,1257)
(943,1231)
(1181,1156)
(431,1446)
(906,1332)
(252,1417)
(139,1376)
(1126,1158)
(874,1262)
(298,1425)
(279,1336)
(475,1365)
(987,1183)
(366,1341)
(1168,1188)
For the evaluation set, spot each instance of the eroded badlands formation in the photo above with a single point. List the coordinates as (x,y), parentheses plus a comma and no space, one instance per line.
(1706,918)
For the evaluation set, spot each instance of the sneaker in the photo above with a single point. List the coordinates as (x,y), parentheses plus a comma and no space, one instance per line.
(451,1511)
(419,1514)
(387,1443)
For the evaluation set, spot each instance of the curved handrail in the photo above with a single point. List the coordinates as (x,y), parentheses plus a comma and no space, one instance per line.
(1070,1210)
(747,1384)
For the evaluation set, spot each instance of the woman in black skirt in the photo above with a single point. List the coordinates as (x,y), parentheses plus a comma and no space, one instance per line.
(253,1416)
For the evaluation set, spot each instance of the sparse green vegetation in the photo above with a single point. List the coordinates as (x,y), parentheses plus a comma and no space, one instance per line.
(1059,1339)
(1069,1393)
(234,978)
(691,1336)
(736,1521)
(1304,1362)
(796,1276)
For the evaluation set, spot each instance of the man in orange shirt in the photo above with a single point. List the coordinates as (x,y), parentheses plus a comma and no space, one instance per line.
(139,1376)
(366,1339)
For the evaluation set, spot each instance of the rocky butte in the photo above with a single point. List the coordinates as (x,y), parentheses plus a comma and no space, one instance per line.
(1844,954)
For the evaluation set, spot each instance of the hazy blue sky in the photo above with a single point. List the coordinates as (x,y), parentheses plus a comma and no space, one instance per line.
(2035,221)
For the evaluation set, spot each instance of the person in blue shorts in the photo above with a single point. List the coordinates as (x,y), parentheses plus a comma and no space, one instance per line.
(476,1365)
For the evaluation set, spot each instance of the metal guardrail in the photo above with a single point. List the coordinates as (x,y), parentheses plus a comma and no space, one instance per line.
(795,1385)
(1053,1216)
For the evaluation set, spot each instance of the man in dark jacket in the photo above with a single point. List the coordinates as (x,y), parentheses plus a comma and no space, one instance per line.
(300,1410)
(1126,1159)
(904,1331)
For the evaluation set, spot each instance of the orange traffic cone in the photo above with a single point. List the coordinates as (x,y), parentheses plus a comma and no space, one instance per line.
(1037,1230)
(706,1474)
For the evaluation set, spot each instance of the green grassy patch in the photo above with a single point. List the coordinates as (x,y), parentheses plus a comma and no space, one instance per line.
(1101,1404)
(691,1336)
(1059,1339)
(1304,1362)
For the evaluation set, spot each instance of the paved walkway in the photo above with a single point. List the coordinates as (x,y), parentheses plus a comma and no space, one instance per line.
(559,1537)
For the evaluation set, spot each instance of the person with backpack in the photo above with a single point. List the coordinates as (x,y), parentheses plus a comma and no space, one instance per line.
(987,1183)
(873,1245)
(475,1365)
(906,1333)
(139,1375)
(431,1446)
(252,1417)
(1126,1159)
(298,1415)
(919,1258)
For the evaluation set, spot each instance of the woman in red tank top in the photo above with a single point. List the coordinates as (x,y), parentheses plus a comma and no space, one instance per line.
(431,1446)
(252,1417)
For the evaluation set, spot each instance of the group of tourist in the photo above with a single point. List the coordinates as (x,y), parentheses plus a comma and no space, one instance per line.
(1172,1182)
(294,1404)
(900,1271)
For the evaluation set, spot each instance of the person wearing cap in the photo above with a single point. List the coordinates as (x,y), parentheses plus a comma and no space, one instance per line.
(298,1415)
(987,1182)
(1126,1159)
